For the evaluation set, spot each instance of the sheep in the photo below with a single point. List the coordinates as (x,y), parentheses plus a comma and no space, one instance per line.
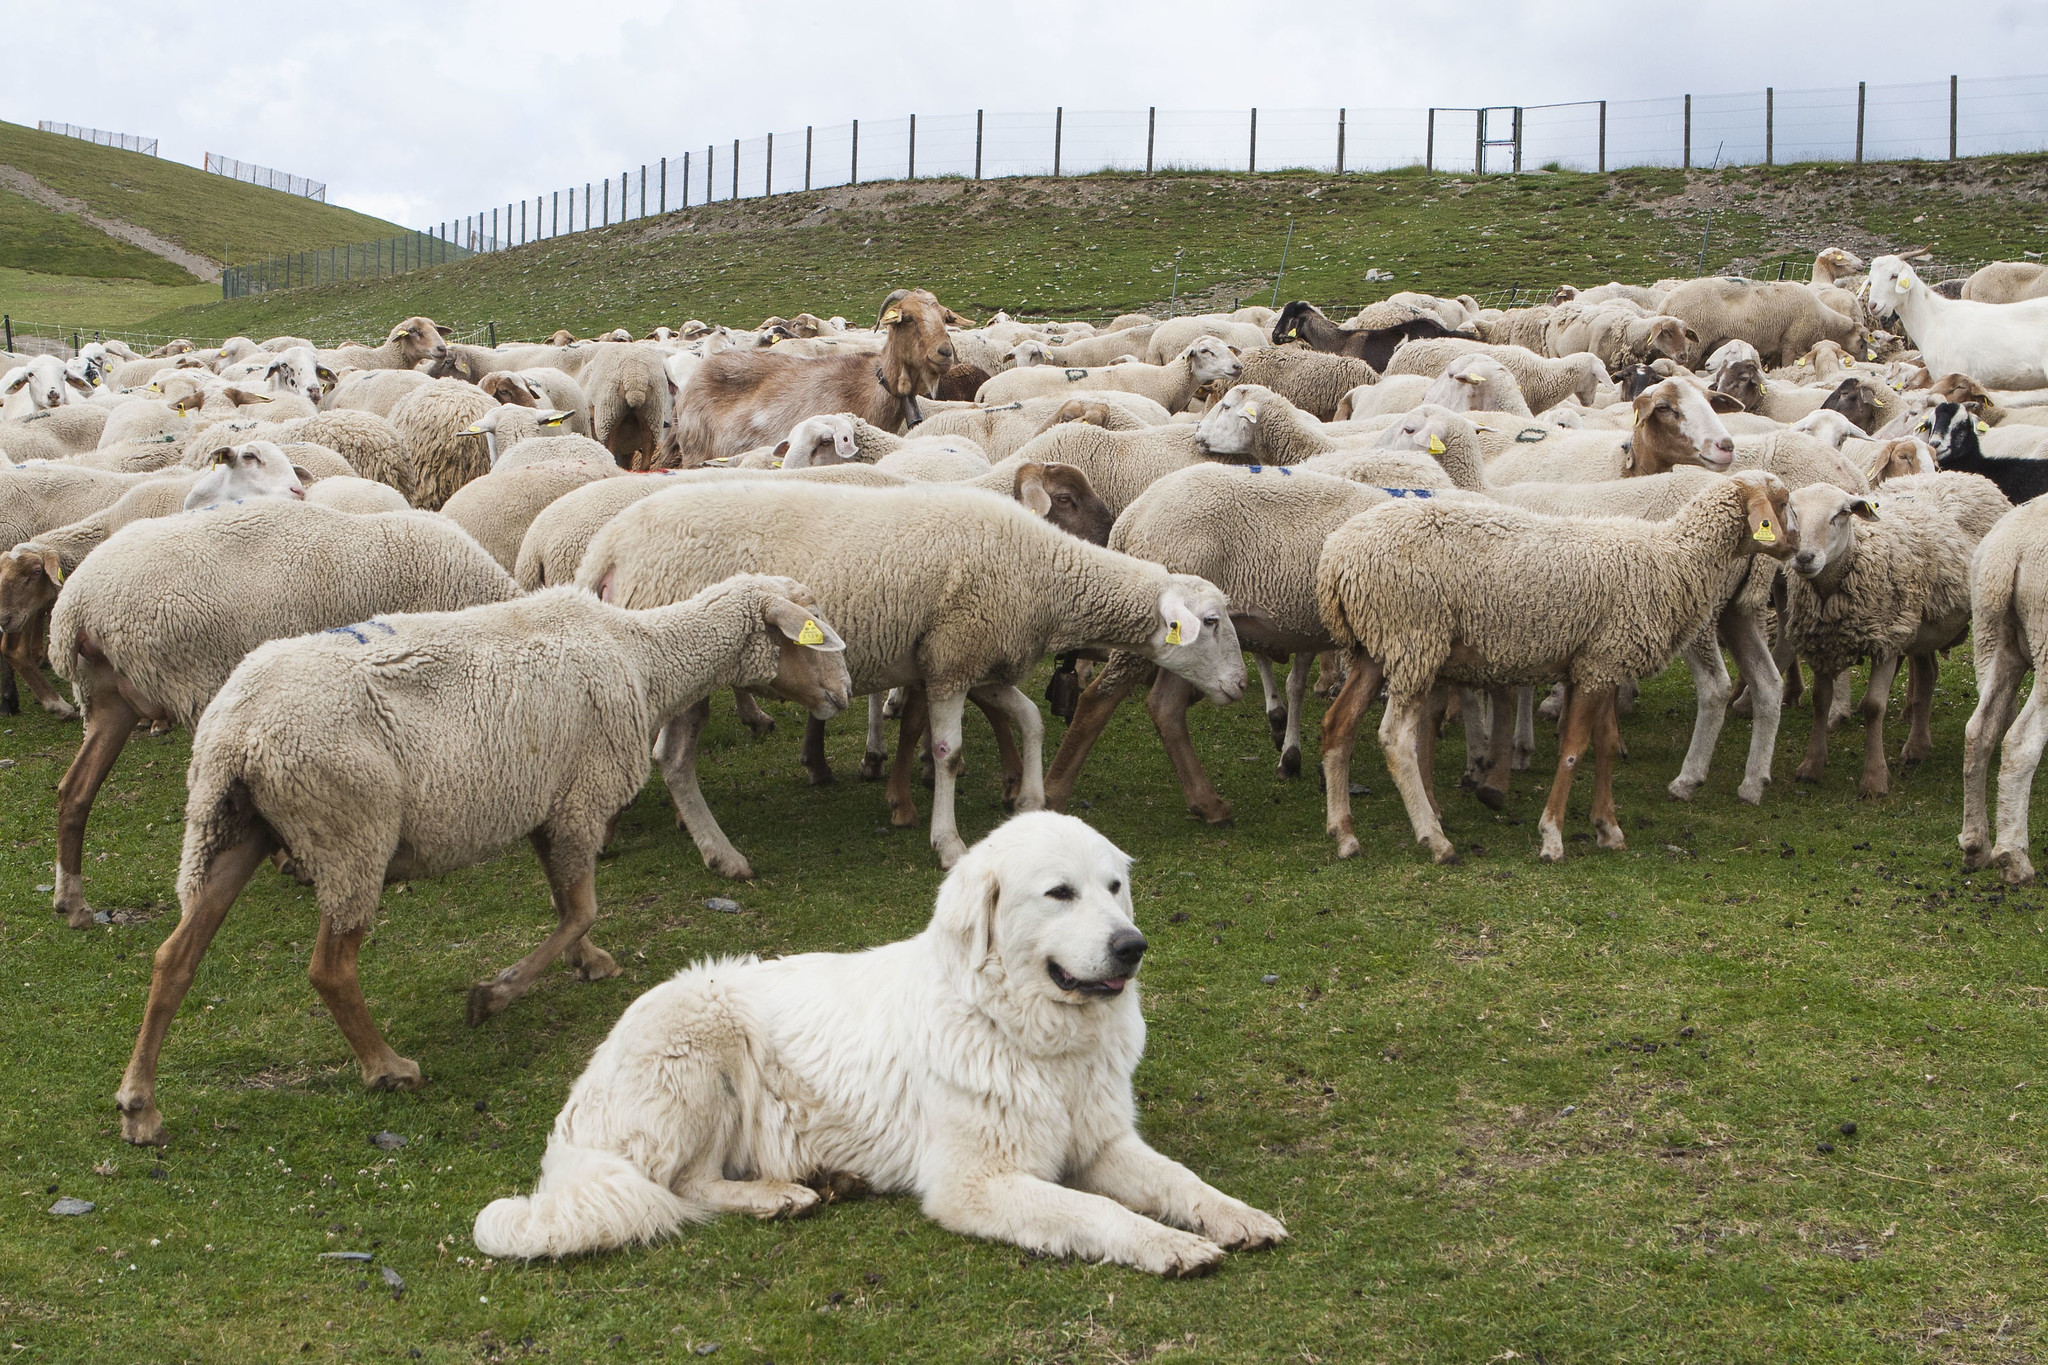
(293,370)
(155,619)
(1313,381)
(1118,464)
(400,720)
(1172,337)
(1477,382)
(1449,439)
(377,391)
(1395,394)
(1642,296)
(498,508)
(554,450)
(370,445)
(55,434)
(1173,386)
(1674,424)
(1618,335)
(38,385)
(2001,346)
(1525,327)
(141,419)
(2007,282)
(935,462)
(254,469)
(738,400)
(1952,433)
(1545,382)
(1896,587)
(504,427)
(1781,318)
(2008,634)
(545,387)
(1002,430)
(415,340)
(1487,596)
(1304,322)
(632,403)
(935,584)
(1096,350)
(434,422)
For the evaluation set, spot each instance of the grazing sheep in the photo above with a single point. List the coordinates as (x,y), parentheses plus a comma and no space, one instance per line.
(1545,382)
(1118,464)
(1476,383)
(1490,596)
(401,721)
(1173,385)
(410,342)
(434,422)
(2000,345)
(632,403)
(935,584)
(2009,633)
(1782,319)
(153,621)
(1312,381)
(498,508)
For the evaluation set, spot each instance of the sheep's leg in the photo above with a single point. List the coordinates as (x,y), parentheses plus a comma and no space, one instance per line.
(1276,710)
(109,722)
(1711,688)
(1340,736)
(1876,698)
(892,708)
(2023,746)
(10,699)
(902,802)
(1919,710)
(591,962)
(1168,703)
(1998,687)
(751,714)
(875,756)
(1845,688)
(1097,703)
(816,765)
(1478,727)
(1297,695)
(333,973)
(1606,745)
(1581,711)
(25,651)
(677,752)
(1330,666)
(1023,764)
(945,725)
(1788,669)
(1525,728)
(1402,731)
(1493,778)
(1425,742)
(214,890)
(573,882)
(1753,657)
(1816,760)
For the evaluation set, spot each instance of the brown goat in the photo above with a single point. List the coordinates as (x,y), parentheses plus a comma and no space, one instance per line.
(739,400)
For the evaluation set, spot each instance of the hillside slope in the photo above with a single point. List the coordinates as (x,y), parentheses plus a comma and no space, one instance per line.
(1096,245)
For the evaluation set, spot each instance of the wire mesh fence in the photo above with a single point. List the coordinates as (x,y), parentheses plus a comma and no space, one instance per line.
(254,174)
(1927,120)
(23,337)
(358,261)
(127,142)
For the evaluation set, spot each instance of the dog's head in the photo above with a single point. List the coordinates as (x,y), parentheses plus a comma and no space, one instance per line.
(1038,916)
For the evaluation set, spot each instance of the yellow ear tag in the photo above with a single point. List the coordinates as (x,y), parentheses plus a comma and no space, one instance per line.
(810,634)
(59,578)
(893,315)
(1764,533)
(1173,633)
(1251,412)
(1870,355)
(1983,427)
(1800,361)
(1294,331)
(1436,445)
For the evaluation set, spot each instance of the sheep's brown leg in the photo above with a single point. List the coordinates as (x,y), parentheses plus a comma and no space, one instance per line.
(1168,703)
(1500,747)
(1433,722)
(814,760)
(1297,697)
(751,714)
(109,721)
(1606,744)
(1877,697)
(875,752)
(1340,736)
(1580,709)
(1998,690)
(1919,710)
(902,801)
(333,973)
(177,962)
(1401,738)
(1330,667)
(677,754)
(25,650)
(591,962)
(1816,760)
(575,892)
(1097,703)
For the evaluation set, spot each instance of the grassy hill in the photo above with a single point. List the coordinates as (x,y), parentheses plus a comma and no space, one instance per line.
(1095,245)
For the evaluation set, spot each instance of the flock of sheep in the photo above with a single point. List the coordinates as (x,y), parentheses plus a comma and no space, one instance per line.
(420,600)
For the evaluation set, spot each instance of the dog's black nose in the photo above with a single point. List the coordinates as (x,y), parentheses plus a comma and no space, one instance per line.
(1127,946)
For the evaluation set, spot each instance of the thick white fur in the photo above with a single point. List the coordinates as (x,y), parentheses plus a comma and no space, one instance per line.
(950,1066)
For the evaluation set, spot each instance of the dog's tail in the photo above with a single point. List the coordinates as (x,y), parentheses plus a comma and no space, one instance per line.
(587,1200)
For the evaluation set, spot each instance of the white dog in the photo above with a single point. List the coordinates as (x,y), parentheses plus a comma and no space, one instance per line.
(984,1066)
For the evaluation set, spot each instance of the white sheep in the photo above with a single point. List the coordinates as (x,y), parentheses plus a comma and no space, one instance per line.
(1172,385)
(2009,632)
(38,385)
(434,422)
(1545,381)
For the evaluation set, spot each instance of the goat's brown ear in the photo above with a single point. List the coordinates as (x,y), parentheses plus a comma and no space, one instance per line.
(1723,403)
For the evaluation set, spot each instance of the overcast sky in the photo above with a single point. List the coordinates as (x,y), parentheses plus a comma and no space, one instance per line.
(423,112)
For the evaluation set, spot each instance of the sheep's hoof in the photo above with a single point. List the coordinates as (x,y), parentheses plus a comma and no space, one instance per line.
(595,965)
(1442,853)
(400,1073)
(903,816)
(872,765)
(79,916)
(157,728)
(762,725)
(1915,754)
(1493,798)
(731,866)
(1290,762)
(1807,772)
(1347,846)
(1609,836)
(1869,789)
(1520,762)
(1682,788)
(2014,867)
(61,710)
(821,776)
(1469,780)
(486,998)
(10,704)
(950,851)
(1276,720)
(143,1126)
(1751,793)
(1551,849)
(1975,855)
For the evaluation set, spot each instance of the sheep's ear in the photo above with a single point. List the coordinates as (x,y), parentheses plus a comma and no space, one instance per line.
(1179,625)
(1031,489)
(242,398)
(801,626)
(78,381)
(303,475)
(20,378)
(1865,508)
(1723,403)
(782,450)
(53,565)
(445,332)
(554,417)
(1236,352)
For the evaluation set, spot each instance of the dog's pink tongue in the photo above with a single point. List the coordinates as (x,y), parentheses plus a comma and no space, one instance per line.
(1115,983)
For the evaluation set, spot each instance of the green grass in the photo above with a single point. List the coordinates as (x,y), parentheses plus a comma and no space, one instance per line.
(206,214)
(83,301)
(1096,245)
(33,237)
(1570,1112)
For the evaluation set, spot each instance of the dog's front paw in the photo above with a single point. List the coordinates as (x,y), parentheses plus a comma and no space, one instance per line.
(1237,1226)
(1175,1254)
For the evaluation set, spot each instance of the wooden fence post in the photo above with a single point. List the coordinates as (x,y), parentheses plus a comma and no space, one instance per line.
(1429,144)
(977,142)
(1951,118)
(1603,136)
(853,177)
(1151,132)
(1340,142)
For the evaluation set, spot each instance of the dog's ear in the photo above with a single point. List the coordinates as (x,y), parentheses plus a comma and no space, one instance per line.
(965,916)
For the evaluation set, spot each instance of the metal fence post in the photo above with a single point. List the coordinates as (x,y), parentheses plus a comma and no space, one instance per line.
(735,168)
(606,220)
(1479,142)
(853,175)
(1151,131)
(1688,132)
(1340,142)
(663,200)
(522,222)
(977,143)
(910,167)
(710,165)
(1951,118)
(1860,95)
(1770,124)
(768,174)
(686,180)
(1059,123)
(643,189)
(1518,139)
(1603,135)
(1251,161)
(572,211)
(586,206)
(807,156)
(494,237)
(1429,144)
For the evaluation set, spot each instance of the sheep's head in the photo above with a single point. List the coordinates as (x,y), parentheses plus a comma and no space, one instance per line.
(1825,424)
(418,339)
(824,440)
(298,370)
(808,665)
(1891,282)
(1473,382)
(45,380)
(30,575)
(1960,388)
(1856,398)
(1825,359)
(1900,458)
(1741,382)
(1211,360)
(1564,294)
(1669,336)
(1287,327)
(1773,528)
(1230,429)
(1676,424)
(255,469)
(1028,352)
(1089,411)
(1835,262)
(515,390)
(1062,494)
(1193,637)
(917,350)
(1826,517)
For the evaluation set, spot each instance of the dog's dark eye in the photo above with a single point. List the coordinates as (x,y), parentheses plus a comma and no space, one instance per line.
(1115,887)
(1062,892)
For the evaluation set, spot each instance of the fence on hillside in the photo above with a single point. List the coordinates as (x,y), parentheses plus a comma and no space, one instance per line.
(1934,120)
(63,339)
(329,265)
(251,173)
(127,142)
